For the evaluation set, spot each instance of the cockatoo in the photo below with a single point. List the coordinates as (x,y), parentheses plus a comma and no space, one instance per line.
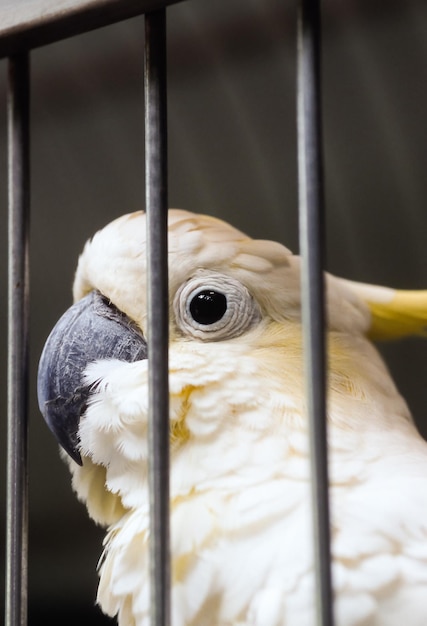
(241,526)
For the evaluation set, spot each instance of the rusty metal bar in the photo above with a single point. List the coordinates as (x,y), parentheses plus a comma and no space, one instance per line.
(311,211)
(18,318)
(158,311)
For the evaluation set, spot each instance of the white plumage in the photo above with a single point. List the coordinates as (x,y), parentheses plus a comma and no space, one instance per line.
(240,500)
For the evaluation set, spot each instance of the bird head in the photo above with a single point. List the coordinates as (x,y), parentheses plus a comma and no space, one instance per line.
(224,288)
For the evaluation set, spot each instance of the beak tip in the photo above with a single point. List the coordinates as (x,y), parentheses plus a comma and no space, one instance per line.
(63,422)
(75,455)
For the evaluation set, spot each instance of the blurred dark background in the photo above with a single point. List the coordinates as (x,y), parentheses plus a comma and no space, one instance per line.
(231,154)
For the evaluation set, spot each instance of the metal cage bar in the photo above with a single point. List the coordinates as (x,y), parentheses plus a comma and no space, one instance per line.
(311,212)
(158,312)
(40,30)
(18,317)
(28,24)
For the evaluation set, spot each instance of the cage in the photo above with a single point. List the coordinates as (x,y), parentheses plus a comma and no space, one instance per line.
(232,153)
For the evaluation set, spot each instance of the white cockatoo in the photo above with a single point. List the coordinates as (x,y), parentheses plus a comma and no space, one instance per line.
(241,526)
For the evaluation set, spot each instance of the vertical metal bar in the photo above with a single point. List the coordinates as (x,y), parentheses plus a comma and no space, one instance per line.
(18,315)
(311,201)
(158,308)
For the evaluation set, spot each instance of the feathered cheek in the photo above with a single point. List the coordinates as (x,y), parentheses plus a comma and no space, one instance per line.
(115,422)
(195,412)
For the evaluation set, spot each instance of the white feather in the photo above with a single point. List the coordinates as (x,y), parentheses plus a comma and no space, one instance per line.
(242,549)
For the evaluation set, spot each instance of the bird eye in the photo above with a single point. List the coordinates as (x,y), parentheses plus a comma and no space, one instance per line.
(208,306)
(212,306)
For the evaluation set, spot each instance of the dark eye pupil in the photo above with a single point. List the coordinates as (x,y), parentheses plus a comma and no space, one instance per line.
(207,307)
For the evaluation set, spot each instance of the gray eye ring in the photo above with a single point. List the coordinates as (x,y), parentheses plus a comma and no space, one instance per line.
(212,306)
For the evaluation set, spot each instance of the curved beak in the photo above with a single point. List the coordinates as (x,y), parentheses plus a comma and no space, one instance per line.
(92,329)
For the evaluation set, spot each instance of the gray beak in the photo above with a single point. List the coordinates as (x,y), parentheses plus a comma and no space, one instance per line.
(92,329)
